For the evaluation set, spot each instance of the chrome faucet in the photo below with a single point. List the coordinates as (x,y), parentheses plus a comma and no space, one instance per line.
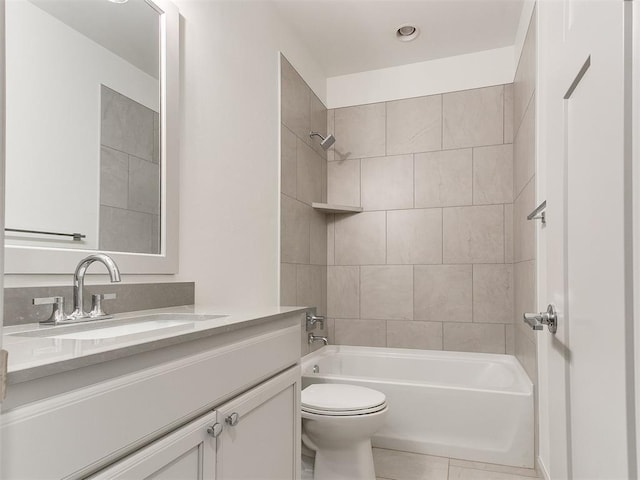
(78,285)
(317,338)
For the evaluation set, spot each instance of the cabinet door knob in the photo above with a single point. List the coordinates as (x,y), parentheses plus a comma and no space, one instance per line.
(232,419)
(215,429)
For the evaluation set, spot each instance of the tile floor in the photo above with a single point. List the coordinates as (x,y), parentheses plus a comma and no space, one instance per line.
(397,465)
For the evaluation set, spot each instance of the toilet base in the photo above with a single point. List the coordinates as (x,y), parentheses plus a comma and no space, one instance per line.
(353,463)
(342,444)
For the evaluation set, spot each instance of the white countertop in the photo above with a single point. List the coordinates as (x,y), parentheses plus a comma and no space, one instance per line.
(33,357)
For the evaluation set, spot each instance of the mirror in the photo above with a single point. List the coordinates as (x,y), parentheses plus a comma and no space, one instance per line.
(89,93)
(83,100)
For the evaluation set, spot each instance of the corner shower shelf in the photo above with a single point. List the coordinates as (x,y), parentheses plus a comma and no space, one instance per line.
(332,208)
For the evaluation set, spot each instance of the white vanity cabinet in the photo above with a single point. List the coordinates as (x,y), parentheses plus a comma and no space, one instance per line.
(147,415)
(189,453)
(253,436)
(261,432)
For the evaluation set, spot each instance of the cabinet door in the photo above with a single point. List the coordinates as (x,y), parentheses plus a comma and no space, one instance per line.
(261,432)
(187,453)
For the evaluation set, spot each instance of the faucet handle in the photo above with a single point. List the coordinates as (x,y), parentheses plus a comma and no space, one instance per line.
(96,304)
(57,315)
(47,300)
(312,320)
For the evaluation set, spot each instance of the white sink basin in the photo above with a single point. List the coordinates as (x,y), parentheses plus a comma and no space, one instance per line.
(121,330)
(105,329)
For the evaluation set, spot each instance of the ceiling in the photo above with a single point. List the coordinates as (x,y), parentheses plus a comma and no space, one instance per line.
(130,30)
(349,36)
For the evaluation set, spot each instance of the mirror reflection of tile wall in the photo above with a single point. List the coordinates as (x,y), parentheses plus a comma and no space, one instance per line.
(129,175)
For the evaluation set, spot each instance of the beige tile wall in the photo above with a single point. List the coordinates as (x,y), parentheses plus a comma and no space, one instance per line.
(524,240)
(429,263)
(303,235)
(524,181)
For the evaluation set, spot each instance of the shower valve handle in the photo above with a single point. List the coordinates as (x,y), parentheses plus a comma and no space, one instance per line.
(537,321)
(313,319)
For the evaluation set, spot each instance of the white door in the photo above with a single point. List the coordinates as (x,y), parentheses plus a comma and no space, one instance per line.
(584,413)
(261,435)
(189,453)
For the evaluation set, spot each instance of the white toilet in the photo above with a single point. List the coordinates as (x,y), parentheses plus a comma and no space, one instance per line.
(337,422)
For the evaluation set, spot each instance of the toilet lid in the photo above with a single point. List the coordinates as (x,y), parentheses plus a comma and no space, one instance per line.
(341,399)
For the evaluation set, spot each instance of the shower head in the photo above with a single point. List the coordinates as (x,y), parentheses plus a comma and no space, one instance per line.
(325,142)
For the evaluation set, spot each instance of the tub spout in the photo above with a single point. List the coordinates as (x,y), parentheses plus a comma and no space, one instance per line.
(317,338)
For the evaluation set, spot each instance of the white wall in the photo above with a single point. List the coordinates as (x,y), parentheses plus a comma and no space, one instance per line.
(462,72)
(229,179)
(53,133)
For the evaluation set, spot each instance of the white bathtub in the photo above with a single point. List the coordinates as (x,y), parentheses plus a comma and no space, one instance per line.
(473,406)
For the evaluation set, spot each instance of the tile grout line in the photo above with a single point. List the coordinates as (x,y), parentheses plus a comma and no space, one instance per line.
(462,147)
(426,208)
(423,264)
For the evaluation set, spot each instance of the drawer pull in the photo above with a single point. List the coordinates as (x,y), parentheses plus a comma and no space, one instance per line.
(232,419)
(215,430)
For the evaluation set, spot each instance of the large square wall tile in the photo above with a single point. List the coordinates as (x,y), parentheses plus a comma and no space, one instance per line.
(473,118)
(360,239)
(493,295)
(414,236)
(443,293)
(414,125)
(343,291)
(443,179)
(386,292)
(473,234)
(360,131)
(474,337)
(387,182)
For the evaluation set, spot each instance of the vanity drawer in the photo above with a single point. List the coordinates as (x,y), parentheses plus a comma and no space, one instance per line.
(77,432)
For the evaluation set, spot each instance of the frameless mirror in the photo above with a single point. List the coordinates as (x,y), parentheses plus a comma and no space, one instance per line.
(85,154)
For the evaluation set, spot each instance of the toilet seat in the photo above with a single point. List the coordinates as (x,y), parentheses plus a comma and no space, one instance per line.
(344,413)
(334,399)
